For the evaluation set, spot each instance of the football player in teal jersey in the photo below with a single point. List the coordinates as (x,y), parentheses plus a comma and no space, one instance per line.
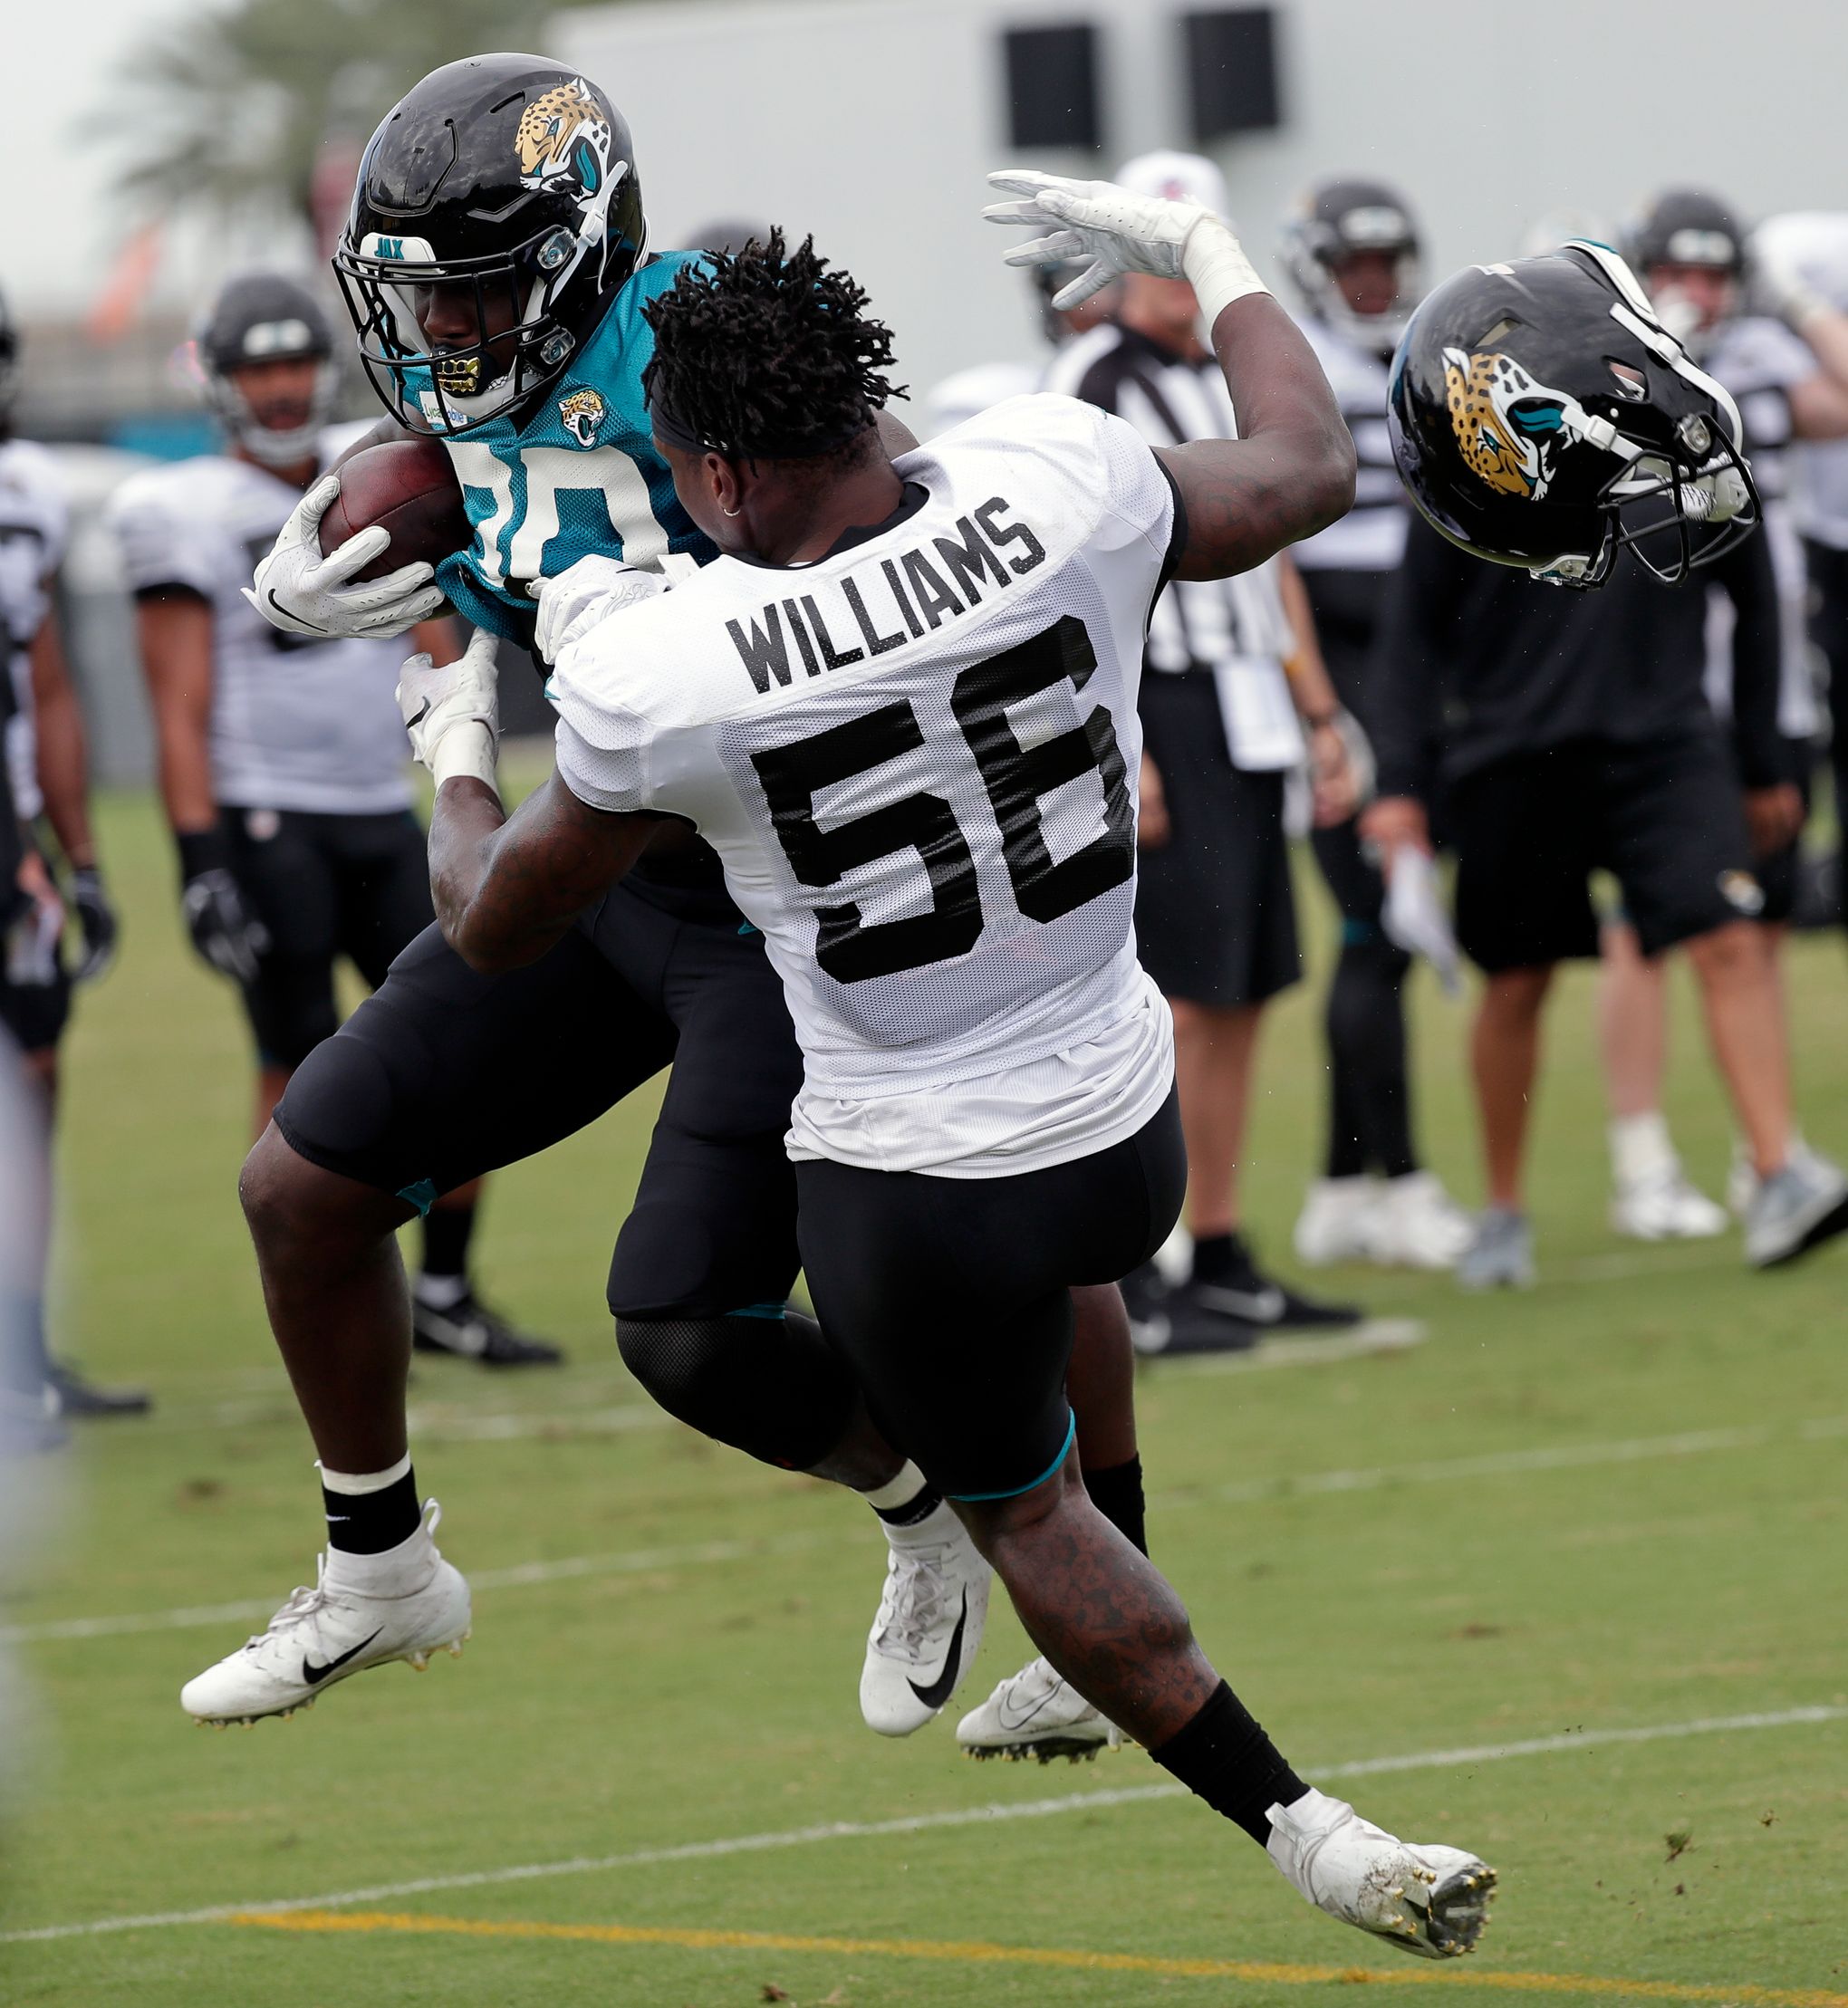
(496,268)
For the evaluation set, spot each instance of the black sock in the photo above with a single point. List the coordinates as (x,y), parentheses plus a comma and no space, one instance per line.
(1117,1493)
(1225,1758)
(446,1232)
(369,1523)
(921,1506)
(1221,1258)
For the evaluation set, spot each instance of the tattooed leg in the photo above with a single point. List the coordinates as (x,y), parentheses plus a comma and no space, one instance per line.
(1113,1626)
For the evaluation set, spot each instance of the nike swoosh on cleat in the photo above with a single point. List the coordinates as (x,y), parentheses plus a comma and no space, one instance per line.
(944,1686)
(1257,1307)
(314,1674)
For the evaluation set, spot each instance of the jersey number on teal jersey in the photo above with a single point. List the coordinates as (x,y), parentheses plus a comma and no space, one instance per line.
(525,502)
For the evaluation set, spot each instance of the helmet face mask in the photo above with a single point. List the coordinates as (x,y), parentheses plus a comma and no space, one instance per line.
(1335,220)
(1542,418)
(503,185)
(1689,245)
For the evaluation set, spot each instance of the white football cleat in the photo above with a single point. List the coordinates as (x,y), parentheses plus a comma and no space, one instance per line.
(1428,1900)
(1037,1714)
(928,1629)
(1665,1205)
(364,1610)
(1336,1223)
(1415,1224)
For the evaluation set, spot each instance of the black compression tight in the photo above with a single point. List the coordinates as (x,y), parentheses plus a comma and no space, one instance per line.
(1369,1098)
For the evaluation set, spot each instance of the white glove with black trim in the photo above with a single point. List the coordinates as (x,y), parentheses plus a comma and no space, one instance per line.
(453,714)
(1120,232)
(303,593)
(583,594)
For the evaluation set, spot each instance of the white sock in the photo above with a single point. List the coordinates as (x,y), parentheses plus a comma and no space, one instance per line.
(898,1491)
(440,1293)
(357,1484)
(1641,1147)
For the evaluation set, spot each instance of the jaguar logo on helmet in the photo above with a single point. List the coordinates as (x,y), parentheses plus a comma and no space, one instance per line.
(564,137)
(1507,427)
(581,413)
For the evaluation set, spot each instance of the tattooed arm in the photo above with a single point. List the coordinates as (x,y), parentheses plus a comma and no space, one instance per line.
(507,888)
(1289,473)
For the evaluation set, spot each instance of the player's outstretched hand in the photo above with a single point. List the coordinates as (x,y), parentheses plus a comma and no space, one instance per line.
(301,593)
(1117,231)
(585,594)
(453,714)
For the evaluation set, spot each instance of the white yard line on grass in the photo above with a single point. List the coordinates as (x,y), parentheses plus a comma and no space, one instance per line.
(1493,1464)
(968,1816)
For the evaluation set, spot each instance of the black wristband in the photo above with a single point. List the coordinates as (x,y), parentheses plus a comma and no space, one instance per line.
(202,850)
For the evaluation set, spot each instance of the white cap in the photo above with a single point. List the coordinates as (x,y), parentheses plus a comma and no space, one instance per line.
(1179,177)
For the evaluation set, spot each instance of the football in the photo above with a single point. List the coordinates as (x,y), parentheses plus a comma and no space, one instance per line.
(410,486)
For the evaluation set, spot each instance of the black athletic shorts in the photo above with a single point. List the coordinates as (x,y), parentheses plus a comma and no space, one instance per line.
(323,885)
(950,1298)
(1216,920)
(36,1013)
(443,1075)
(1664,818)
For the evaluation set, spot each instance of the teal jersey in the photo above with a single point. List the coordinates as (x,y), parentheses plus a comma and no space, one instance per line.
(579,475)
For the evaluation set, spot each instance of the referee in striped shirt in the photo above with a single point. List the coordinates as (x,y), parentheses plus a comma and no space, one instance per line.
(1224,724)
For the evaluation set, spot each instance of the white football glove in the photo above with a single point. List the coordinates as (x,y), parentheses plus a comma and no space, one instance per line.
(583,594)
(303,593)
(453,714)
(1120,232)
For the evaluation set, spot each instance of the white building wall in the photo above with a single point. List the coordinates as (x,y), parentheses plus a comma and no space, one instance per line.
(871,122)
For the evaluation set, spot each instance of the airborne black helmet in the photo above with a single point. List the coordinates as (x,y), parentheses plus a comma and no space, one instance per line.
(513,175)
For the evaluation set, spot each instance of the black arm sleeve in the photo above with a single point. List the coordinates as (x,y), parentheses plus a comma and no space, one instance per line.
(1405,672)
(1747,577)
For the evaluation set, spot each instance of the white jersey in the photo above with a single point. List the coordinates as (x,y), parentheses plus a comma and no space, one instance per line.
(295,723)
(916,758)
(1371,537)
(1817,241)
(34,527)
(1758,360)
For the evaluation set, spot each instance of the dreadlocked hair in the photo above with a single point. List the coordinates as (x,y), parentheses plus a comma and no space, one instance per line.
(767,353)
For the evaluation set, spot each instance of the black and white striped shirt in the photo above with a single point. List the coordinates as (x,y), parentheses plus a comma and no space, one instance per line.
(1234,627)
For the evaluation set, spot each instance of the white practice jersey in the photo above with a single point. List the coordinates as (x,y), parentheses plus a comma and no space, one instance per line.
(296,724)
(1757,361)
(34,527)
(1371,537)
(1817,241)
(916,758)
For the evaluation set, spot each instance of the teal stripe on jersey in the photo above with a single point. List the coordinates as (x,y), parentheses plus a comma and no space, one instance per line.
(579,475)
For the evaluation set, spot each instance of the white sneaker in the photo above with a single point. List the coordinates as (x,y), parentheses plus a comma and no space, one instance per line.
(1742,1176)
(1795,1210)
(1037,1714)
(929,1623)
(1665,1205)
(364,1610)
(1336,1223)
(1417,1224)
(1429,1901)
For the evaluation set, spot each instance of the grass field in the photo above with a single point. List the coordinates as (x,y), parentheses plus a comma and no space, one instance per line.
(1604,1520)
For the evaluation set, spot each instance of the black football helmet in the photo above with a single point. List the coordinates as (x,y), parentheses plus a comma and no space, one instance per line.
(1543,416)
(512,175)
(266,317)
(1334,217)
(1686,227)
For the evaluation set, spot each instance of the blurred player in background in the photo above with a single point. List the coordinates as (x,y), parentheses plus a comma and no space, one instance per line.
(48,773)
(1224,725)
(1691,254)
(969,391)
(1352,248)
(1570,728)
(1800,271)
(282,759)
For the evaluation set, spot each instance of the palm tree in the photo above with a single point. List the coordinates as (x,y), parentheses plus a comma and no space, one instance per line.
(230,112)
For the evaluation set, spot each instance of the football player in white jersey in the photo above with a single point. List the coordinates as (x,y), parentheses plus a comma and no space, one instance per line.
(281,757)
(49,774)
(900,705)
(1691,254)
